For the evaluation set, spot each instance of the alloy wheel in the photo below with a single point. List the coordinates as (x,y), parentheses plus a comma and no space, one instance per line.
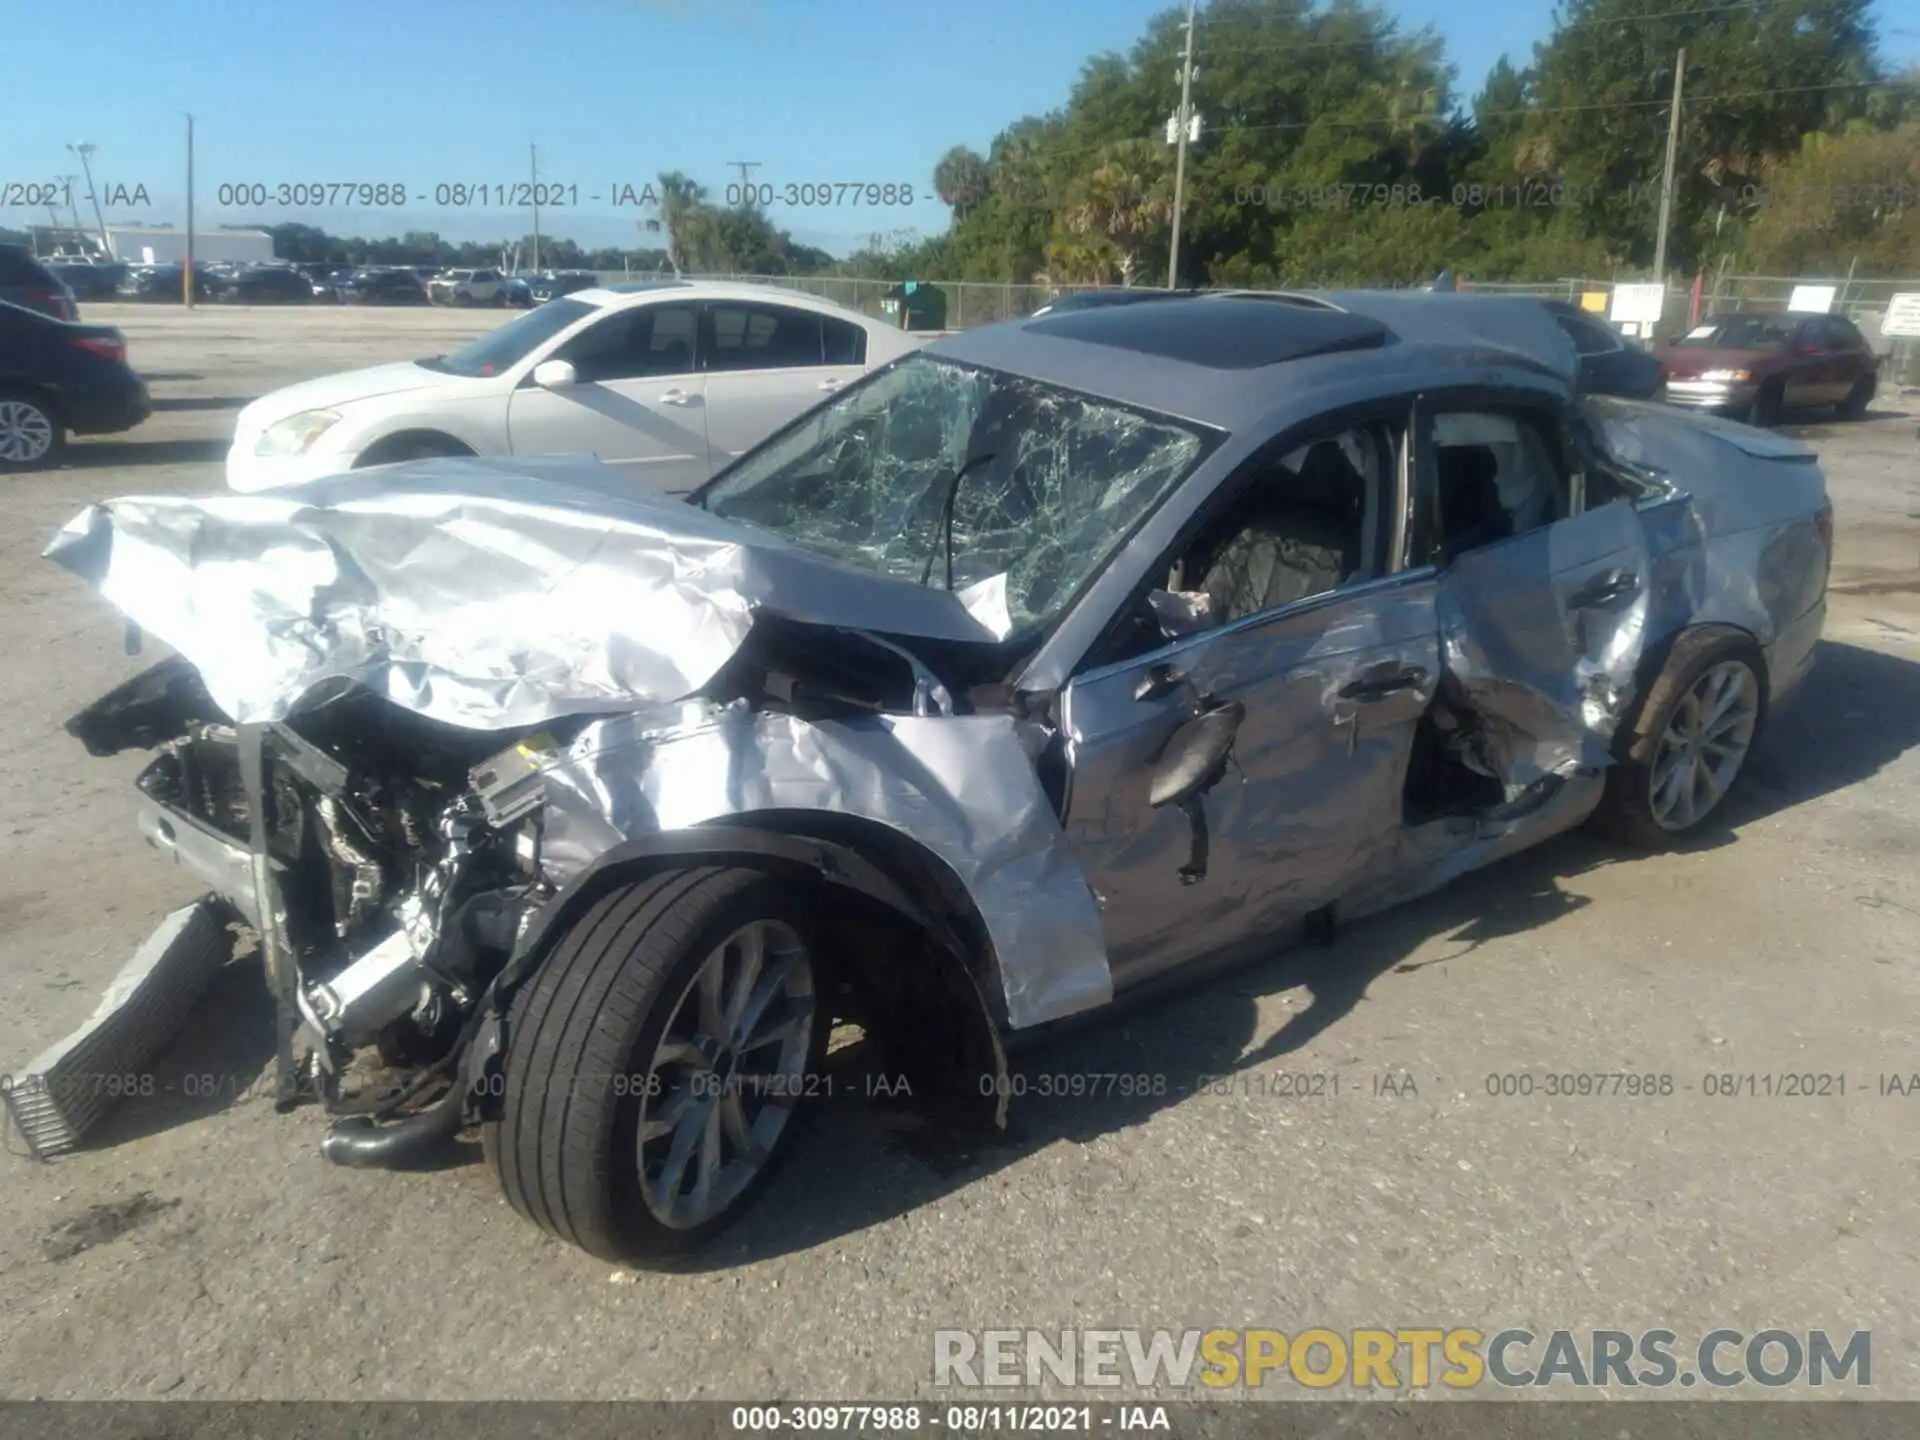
(722,1083)
(1704,745)
(26,432)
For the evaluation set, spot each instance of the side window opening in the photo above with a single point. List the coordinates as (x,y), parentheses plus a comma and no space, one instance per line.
(1498,476)
(631,344)
(1299,524)
(762,337)
(1296,531)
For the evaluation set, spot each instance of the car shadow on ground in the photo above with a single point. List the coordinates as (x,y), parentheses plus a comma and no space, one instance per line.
(220,1059)
(98,454)
(201,402)
(869,1155)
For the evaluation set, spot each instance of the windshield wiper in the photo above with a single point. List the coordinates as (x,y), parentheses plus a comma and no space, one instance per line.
(973,462)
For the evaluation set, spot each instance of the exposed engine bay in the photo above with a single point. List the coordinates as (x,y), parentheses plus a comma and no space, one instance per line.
(396,894)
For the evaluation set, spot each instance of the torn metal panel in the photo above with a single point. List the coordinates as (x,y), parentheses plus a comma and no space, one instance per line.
(64,1091)
(1542,636)
(1739,542)
(486,593)
(963,787)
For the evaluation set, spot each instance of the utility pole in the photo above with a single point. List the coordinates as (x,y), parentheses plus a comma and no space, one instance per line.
(1182,124)
(186,273)
(66,188)
(1666,183)
(746,169)
(85,151)
(533,160)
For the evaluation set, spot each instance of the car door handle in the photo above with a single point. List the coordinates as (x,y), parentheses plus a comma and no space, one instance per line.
(1377,685)
(1159,682)
(1607,588)
(830,384)
(676,397)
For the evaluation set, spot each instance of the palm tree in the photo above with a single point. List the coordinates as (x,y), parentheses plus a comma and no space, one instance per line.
(1125,201)
(960,179)
(681,204)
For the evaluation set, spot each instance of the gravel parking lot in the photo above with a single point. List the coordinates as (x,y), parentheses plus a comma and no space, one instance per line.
(204,1249)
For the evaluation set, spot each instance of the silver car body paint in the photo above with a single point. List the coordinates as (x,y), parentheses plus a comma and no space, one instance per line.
(963,787)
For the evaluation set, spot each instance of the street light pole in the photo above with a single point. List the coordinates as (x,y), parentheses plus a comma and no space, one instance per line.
(1666,183)
(533,160)
(1180,153)
(186,273)
(84,150)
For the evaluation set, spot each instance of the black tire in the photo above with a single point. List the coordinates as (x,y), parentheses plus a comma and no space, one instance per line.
(1765,409)
(40,415)
(566,1147)
(1854,407)
(415,447)
(1626,811)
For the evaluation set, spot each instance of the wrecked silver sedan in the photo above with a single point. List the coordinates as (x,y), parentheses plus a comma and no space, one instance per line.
(1042,663)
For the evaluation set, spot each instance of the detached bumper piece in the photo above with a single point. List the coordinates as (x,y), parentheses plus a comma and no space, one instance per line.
(62,1095)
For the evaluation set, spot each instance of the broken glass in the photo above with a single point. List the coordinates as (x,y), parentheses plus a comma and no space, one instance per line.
(1057,481)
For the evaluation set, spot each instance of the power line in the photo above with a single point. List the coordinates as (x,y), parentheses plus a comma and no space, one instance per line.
(1560,109)
(1736,6)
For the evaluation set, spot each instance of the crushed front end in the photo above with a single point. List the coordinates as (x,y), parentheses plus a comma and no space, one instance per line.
(354,844)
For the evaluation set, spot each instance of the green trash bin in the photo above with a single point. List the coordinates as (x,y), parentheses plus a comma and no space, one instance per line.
(916,305)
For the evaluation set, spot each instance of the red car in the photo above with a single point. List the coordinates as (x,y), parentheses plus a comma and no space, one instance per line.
(1757,366)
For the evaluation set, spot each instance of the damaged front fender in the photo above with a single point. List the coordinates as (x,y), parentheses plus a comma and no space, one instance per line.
(930,1008)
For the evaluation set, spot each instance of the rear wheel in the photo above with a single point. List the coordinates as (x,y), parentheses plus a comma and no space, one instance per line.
(1688,743)
(1854,407)
(32,436)
(657,1062)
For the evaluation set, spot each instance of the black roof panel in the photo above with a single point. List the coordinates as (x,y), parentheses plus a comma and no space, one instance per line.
(1220,336)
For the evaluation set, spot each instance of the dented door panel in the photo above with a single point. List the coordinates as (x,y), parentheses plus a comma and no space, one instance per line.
(1541,635)
(1333,688)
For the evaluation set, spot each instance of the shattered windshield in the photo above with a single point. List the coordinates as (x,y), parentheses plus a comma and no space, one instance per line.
(1039,485)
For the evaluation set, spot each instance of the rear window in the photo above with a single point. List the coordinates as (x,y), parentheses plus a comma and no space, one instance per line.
(18,267)
(1742,332)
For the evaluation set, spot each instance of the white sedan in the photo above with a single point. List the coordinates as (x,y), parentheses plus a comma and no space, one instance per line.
(669,380)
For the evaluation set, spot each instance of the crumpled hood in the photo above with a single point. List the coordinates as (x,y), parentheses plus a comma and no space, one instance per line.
(489,593)
(1684,442)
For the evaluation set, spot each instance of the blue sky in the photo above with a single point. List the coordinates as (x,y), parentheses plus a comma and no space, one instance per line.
(425,92)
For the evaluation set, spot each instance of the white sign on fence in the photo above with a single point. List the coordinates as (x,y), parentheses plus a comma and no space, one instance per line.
(1903,315)
(1812,299)
(1637,304)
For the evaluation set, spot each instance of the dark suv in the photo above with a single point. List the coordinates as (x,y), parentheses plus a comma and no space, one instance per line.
(25,281)
(1757,366)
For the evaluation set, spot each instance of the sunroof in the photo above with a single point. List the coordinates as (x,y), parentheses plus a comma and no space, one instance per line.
(1221,334)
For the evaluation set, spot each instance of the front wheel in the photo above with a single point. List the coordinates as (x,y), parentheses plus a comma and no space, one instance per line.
(1689,740)
(32,436)
(1765,409)
(658,1061)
